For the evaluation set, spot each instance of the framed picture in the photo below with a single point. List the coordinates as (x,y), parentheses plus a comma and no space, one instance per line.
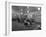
(23,17)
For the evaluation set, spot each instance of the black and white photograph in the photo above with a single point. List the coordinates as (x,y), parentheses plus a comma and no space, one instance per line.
(26,18)
(23,18)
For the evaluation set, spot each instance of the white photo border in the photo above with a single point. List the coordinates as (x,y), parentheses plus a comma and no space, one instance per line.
(8,25)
